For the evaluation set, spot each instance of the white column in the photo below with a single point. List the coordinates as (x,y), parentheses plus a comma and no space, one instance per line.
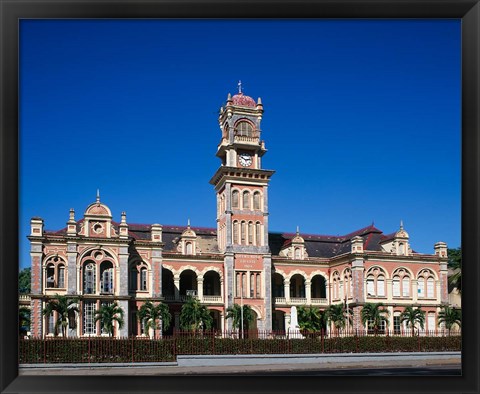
(200,288)
(176,281)
(308,291)
(286,286)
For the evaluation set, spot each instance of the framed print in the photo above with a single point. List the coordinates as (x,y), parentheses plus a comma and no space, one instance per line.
(182,117)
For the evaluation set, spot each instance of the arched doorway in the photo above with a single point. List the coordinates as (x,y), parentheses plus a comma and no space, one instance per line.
(188,282)
(278,286)
(211,284)
(319,287)
(297,286)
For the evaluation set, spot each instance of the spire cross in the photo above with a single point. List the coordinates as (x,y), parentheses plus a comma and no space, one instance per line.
(240,87)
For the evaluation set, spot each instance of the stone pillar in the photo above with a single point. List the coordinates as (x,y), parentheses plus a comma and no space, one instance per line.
(265,218)
(123,332)
(442,294)
(267,291)
(358,291)
(72,267)
(286,289)
(36,255)
(308,291)
(156,273)
(229,284)
(414,290)
(228,216)
(122,283)
(176,283)
(200,288)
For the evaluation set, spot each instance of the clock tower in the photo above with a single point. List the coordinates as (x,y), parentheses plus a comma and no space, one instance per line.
(242,207)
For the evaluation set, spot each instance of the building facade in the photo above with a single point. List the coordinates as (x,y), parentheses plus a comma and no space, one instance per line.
(99,260)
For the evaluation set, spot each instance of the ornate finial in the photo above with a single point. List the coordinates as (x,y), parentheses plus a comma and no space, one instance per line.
(240,87)
(298,230)
(229,97)
(401,224)
(72,214)
(98,195)
(188,223)
(259,101)
(124,217)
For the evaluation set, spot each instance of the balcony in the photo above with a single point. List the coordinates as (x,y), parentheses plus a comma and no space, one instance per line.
(242,139)
(300,301)
(212,299)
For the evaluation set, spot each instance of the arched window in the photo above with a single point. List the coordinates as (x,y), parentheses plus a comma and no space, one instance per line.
(401,283)
(401,248)
(376,283)
(50,275)
(61,276)
(258,234)
(426,284)
(246,200)
(106,273)
(256,201)
(143,279)
(336,285)
(430,287)
(245,129)
(133,278)
(189,248)
(89,278)
(235,232)
(250,233)
(235,199)
(243,231)
(347,279)
(297,253)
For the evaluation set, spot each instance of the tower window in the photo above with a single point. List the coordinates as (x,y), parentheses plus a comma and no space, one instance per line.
(235,199)
(246,200)
(250,233)
(245,129)
(243,232)
(258,234)
(256,200)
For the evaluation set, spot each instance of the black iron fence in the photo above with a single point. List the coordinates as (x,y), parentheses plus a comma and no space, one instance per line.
(143,349)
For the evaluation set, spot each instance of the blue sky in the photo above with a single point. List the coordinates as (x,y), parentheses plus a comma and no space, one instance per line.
(361,123)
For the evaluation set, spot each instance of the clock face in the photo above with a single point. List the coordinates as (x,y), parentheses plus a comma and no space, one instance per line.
(245,160)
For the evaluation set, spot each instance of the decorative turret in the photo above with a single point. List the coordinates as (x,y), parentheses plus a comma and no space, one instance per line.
(156,232)
(357,244)
(36,227)
(72,224)
(400,242)
(123,226)
(188,241)
(441,249)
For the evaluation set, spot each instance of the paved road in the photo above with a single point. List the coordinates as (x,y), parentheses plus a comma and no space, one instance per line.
(430,367)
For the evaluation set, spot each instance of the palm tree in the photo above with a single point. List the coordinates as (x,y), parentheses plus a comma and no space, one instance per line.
(23,320)
(235,312)
(455,264)
(311,319)
(337,314)
(450,316)
(195,316)
(155,316)
(374,316)
(413,316)
(108,314)
(63,305)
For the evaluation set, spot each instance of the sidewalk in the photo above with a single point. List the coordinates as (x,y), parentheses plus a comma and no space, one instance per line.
(189,365)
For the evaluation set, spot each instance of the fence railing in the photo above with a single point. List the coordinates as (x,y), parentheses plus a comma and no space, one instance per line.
(143,349)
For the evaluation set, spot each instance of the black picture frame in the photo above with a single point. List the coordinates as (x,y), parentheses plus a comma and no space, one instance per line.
(12,11)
